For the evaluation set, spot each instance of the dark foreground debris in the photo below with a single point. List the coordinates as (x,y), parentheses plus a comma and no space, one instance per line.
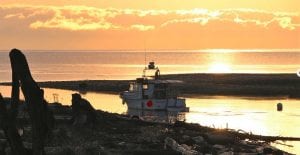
(119,134)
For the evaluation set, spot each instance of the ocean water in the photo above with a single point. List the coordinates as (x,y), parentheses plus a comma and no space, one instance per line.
(83,65)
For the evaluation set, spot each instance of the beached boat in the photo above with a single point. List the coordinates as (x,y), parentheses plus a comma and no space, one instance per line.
(153,93)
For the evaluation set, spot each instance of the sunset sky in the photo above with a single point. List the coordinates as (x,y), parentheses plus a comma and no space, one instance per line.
(148,24)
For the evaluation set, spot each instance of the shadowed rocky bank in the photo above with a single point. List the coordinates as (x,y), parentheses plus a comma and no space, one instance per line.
(119,134)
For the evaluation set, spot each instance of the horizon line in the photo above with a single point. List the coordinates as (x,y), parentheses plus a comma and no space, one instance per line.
(221,50)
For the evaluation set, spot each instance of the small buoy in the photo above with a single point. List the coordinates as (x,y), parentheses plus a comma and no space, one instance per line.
(279,107)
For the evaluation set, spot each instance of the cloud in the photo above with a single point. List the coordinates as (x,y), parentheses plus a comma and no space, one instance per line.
(286,23)
(82,21)
(243,17)
(81,26)
(199,20)
(76,18)
(142,27)
(18,15)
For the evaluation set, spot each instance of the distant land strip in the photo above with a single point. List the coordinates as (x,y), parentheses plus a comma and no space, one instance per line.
(252,85)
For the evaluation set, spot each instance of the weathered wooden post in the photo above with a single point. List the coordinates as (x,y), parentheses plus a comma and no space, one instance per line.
(15,94)
(34,97)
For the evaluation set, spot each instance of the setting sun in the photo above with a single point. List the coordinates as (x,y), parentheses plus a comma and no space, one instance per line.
(219,68)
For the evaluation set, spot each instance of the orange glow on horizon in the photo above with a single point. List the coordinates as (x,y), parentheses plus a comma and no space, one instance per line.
(219,68)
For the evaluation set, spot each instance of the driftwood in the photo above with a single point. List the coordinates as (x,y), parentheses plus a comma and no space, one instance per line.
(262,138)
(34,97)
(235,134)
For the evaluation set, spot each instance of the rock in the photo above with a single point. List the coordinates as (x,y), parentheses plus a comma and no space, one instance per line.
(219,138)
(278,152)
(198,139)
(3,145)
(61,135)
(181,131)
(91,151)
(121,143)
(27,145)
(219,146)
(20,131)
(58,108)
(260,149)
(165,130)
(267,150)
(95,144)
(80,120)
(227,153)
(186,140)
(150,134)
(2,135)
(185,137)
(184,149)
(59,151)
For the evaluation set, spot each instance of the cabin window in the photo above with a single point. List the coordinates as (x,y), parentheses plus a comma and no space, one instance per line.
(145,86)
(131,87)
(160,91)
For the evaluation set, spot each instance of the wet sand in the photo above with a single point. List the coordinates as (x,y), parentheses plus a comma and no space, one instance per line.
(256,85)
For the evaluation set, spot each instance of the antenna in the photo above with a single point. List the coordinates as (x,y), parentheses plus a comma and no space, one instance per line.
(145,56)
(145,53)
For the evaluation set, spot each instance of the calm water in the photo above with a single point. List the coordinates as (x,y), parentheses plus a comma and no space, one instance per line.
(82,65)
(256,115)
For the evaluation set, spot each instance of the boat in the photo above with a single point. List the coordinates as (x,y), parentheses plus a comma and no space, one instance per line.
(153,93)
(161,116)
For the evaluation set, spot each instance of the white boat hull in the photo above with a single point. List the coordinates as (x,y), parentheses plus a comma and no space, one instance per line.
(156,115)
(157,104)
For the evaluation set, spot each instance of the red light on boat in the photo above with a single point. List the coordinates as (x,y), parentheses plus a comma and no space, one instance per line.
(149,103)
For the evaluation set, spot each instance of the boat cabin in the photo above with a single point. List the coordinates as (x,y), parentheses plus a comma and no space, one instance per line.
(151,92)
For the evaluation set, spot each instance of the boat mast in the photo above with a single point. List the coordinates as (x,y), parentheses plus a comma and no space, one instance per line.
(145,58)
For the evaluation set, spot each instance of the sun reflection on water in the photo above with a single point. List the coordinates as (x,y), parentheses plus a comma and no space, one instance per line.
(219,68)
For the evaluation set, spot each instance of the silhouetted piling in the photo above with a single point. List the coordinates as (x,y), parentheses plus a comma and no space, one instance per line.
(279,107)
(41,118)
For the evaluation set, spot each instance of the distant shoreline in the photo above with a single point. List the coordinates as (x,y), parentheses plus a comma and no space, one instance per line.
(249,85)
